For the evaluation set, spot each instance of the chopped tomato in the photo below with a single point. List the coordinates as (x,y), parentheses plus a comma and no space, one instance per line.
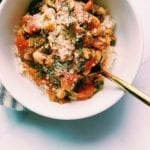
(94,23)
(68,80)
(96,43)
(89,5)
(77,29)
(39,81)
(89,64)
(22,44)
(26,19)
(86,92)
(32,28)
(30,23)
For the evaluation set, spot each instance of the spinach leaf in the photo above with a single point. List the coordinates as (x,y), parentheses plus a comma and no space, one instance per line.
(68,94)
(35,6)
(50,70)
(79,42)
(99,85)
(41,72)
(55,81)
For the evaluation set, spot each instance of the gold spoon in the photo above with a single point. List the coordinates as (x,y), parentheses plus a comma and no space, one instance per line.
(128,87)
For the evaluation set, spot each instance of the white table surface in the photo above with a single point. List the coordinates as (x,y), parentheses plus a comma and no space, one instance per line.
(126,126)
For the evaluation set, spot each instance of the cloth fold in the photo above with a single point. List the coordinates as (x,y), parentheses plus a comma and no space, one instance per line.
(8,101)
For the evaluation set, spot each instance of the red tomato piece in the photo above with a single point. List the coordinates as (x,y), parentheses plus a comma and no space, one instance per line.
(30,23)
(26,19)
(89,64)
(96,43)
(86,92)
(94,23)
(32,28)
(22,44)
(89,5)
(77,29)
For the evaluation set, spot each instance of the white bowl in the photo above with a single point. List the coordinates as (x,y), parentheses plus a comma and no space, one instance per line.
(129,51)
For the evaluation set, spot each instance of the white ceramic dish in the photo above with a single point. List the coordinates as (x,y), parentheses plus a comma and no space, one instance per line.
(129,51)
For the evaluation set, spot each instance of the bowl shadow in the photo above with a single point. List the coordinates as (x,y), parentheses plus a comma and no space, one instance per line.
(88,130)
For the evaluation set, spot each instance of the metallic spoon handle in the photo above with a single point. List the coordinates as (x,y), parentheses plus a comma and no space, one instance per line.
(137,93)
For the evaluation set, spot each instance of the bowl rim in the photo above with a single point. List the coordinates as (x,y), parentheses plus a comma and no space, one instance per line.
(120,95)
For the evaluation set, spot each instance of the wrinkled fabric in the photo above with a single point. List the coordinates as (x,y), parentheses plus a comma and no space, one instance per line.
(8,101)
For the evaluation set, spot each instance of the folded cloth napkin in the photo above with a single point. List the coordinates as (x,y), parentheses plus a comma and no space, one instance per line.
(8,101)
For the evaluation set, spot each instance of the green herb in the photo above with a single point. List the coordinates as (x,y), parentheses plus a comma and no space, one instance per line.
(36,41)
(55,58)
(113,42)
(33,65)
(41,72)
(99,85)
(34,7)
(27,35)
(39,68)
(46,51)
(63,4)
(80,52)
(55,82)
(60,65)
(63,65)
(68,94)
(79,42)
(50,70)
(83,25)
(81,65)
(78,85)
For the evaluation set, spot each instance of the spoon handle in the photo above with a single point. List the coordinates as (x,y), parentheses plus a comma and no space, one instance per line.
(128,87)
